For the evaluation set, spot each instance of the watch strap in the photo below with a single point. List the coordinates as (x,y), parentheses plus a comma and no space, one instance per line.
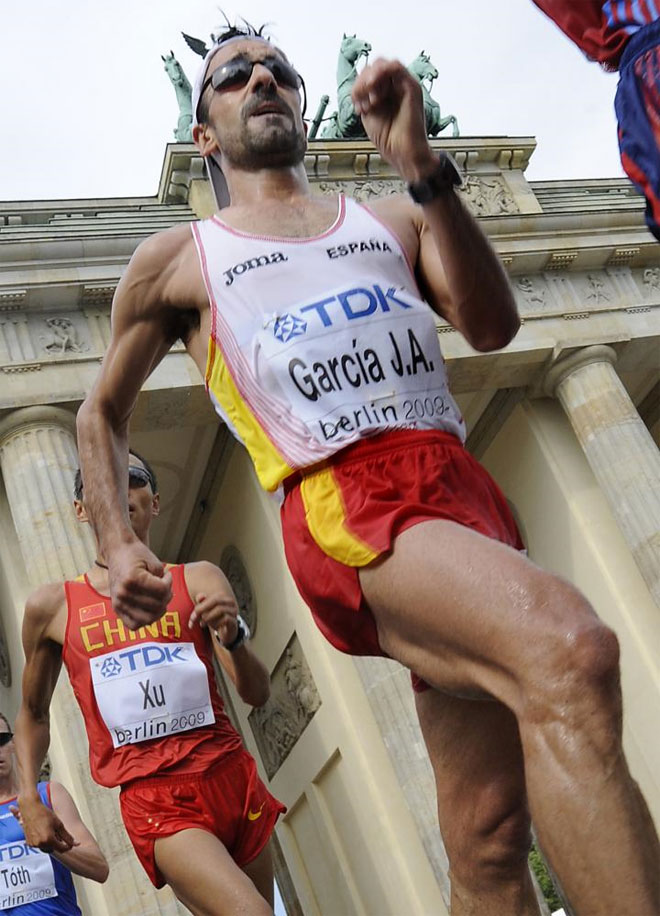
(445,177)
(242,635)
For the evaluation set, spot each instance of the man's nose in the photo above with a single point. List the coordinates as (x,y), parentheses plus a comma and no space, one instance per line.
(261,76)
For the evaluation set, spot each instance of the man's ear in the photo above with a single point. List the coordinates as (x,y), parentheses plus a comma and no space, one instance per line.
(79,509)
(155,505)
(205,139)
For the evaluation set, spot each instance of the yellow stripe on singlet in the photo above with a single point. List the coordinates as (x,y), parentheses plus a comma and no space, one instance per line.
(270,466)
(326,519)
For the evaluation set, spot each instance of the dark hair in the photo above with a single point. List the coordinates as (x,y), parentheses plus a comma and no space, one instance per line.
(247,30)
(78,484)
(5,720)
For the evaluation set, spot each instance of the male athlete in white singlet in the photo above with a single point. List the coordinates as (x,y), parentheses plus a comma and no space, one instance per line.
(312,320)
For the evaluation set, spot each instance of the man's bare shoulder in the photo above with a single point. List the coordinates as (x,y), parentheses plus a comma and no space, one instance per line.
(203,574)
(161,254)
(163,272)
(164,245)
(44,606)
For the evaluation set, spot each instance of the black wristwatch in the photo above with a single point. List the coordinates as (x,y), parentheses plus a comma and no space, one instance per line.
(242,635)
(445,177)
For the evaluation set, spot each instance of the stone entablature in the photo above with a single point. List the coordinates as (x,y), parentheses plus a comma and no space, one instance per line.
(61,218)
(493,167)
(587,195)
(580,272)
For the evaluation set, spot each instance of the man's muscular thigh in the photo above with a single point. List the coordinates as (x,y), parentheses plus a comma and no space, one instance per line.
(467,613)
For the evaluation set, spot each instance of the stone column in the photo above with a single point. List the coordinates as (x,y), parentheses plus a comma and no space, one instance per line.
(38,459)
(618,446)
(390,695)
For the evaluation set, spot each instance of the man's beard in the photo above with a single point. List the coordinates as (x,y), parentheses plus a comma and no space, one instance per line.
(278,145)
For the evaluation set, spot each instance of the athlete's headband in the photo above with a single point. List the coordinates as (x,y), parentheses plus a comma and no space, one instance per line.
(201,75)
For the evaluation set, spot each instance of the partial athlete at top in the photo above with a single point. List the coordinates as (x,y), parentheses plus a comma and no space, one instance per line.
(624,35)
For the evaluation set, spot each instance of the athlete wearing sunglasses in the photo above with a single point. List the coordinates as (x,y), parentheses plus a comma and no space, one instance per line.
(236,73)
(210,839)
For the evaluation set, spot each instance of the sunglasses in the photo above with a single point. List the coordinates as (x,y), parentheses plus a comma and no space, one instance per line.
(5,738)
(140,477)
(236,73)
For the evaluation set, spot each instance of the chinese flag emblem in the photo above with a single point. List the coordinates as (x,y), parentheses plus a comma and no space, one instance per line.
(92,612)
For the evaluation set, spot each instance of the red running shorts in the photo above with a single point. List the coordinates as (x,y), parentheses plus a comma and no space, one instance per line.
(228,800)
(347,512)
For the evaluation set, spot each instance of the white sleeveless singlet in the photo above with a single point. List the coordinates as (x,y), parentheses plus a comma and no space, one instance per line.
(318,342)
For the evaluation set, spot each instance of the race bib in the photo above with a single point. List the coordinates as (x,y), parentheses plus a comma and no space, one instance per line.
(151,690)
(362,358)
(26,875)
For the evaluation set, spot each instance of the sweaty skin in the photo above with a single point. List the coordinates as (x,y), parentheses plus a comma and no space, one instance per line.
(469,615)
(194,863)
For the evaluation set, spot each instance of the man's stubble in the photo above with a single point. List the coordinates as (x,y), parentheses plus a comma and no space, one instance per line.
(253,146)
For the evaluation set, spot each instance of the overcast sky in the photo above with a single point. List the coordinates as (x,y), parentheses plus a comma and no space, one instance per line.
(87,108)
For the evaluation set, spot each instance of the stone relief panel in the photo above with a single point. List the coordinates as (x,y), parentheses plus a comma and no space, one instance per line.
(531,293)
(648,281)
(363,190)
(32,339)
(294,700)
(576,294)
(232,565)
(483,196)
(596,289)
(488,196)
(61,337)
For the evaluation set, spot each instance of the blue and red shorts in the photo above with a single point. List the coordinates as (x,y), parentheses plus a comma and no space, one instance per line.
(347,512)
(228,800)
(637,105)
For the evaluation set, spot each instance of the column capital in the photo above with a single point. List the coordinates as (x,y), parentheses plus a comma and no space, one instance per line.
(28,417)
(566,365)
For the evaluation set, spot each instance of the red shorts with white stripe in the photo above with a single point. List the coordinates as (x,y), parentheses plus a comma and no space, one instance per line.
(348,511)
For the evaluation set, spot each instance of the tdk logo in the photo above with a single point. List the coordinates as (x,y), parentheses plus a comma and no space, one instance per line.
(261,260)
(351,304)
(110,667)
(288,326)
(142,658)
(13,851)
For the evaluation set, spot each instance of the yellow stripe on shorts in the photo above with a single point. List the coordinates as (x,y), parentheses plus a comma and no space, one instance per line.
(326,520)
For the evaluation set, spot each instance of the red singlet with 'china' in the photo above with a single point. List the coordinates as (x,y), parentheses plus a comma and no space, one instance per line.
(148,697)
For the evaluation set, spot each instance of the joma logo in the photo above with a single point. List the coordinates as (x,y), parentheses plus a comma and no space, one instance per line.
(261,261)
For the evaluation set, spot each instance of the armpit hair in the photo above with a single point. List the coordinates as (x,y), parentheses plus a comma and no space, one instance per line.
(180,324)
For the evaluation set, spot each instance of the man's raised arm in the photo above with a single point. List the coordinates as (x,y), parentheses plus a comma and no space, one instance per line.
(459,272)
(140,587)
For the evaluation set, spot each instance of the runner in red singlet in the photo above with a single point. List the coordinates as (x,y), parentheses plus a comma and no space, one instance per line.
(312,320)
(197,813)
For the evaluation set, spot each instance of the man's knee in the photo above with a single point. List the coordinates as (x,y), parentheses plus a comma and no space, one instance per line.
(492,845)
(574,665)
